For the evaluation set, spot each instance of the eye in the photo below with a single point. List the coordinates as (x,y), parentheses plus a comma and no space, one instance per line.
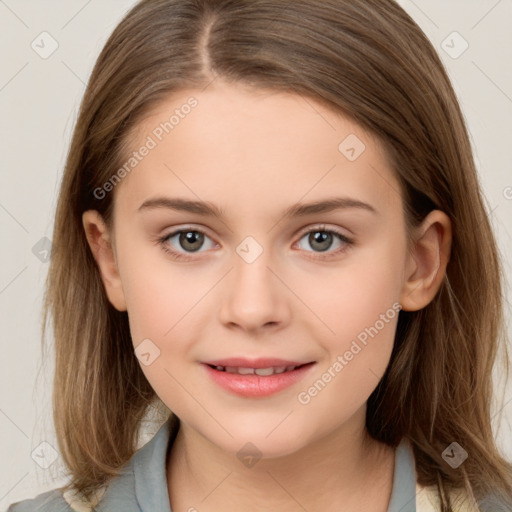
(189,240)
(322,239)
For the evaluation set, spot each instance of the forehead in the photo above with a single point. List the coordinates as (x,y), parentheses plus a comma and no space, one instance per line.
(252,148)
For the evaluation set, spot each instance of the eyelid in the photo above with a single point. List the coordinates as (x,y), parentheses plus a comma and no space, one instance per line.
(322,227)
(187,227)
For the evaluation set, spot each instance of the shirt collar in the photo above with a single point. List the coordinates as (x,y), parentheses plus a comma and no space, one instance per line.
(403,494)
(149,470)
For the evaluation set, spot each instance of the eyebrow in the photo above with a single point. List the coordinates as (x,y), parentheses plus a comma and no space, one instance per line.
(296,210)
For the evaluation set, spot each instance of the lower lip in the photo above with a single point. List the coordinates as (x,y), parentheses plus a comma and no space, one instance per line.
(256,385)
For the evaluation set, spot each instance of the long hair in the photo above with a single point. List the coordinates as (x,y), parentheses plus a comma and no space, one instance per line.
(364,59)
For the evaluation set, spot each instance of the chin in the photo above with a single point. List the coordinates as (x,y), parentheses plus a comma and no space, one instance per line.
(256,441)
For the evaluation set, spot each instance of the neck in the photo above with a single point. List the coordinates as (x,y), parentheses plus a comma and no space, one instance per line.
(333,470)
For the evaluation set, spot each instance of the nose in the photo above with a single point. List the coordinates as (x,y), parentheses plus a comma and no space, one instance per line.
(254,297)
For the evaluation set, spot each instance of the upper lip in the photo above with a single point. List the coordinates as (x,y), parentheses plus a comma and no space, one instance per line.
(263,362)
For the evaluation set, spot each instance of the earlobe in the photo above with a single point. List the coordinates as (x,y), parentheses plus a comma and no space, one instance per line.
(99,240)
(427,261)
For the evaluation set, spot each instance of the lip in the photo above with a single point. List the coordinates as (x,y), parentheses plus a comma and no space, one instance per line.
(252,385)
(262,362)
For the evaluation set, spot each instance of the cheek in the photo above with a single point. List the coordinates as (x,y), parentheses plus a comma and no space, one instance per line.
(358,308)
(364,286)
(363,317)
(162,300)
(160,294)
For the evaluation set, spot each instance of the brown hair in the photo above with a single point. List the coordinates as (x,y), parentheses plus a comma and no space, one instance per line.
(367,60)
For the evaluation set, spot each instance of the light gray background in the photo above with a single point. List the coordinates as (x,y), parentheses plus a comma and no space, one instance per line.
(39,99)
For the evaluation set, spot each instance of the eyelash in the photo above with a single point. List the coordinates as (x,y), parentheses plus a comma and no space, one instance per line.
(162,241)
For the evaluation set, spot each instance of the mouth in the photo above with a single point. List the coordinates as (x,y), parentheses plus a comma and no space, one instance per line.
(259,379)
(262,372)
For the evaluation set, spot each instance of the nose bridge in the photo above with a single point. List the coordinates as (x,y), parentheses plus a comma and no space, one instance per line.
(255,296)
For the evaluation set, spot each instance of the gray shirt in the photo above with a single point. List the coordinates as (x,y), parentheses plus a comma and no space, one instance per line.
(142,485)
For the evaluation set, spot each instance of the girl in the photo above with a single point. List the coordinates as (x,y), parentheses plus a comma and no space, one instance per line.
(271,233)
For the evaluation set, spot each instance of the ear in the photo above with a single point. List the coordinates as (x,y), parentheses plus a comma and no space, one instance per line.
(100,242)
(427,261)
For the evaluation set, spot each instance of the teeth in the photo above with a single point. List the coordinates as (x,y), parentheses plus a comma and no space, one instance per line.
(263,372)
(246,371)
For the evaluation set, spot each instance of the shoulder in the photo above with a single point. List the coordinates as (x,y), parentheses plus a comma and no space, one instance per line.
(57,500)
(427,500)
(50,501)
(141,478)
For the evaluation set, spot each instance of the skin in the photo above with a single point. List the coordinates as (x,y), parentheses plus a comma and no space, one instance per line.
(254,154)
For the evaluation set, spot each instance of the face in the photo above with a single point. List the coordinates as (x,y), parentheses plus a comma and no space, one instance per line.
(317,286)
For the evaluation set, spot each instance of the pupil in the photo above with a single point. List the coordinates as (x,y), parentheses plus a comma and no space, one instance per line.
(189,238)
(322,238)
